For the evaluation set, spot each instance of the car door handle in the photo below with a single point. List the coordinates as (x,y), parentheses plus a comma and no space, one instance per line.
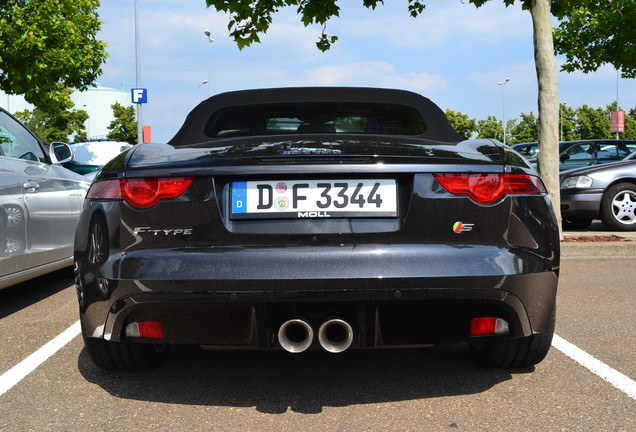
(30,186)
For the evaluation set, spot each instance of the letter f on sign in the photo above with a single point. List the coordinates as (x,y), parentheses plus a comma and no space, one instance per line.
(139,95)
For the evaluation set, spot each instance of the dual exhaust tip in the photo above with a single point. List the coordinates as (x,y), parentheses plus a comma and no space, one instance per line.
(334,335)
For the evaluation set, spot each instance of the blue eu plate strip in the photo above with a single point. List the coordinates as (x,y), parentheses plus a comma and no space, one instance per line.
(239,197)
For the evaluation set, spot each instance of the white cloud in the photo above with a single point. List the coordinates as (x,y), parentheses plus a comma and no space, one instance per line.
(348,72)
(376,73)
(436,26)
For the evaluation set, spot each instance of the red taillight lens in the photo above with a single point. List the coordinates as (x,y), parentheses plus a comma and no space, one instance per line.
(489,188)
(145,329)
(140,192)
(484,326)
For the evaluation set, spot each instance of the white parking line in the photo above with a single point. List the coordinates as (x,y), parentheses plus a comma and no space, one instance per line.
(612,376)
(29,364)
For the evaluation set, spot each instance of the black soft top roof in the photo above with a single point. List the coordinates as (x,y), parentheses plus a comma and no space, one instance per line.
(193,129)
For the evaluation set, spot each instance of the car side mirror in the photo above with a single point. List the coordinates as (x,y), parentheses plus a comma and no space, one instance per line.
(564,157)
(60,152)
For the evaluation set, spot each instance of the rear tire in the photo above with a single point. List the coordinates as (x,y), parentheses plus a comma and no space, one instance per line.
(618,207)
(514,353)
(124,356)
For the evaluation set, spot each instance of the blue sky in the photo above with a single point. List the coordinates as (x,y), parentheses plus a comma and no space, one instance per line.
(453,54)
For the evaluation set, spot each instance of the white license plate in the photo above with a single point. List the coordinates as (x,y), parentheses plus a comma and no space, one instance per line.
(291,199)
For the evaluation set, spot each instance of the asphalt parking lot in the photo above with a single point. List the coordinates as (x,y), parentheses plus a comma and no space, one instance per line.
(585,384)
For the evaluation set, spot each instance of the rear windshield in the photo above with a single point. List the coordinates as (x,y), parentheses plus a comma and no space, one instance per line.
(316,117)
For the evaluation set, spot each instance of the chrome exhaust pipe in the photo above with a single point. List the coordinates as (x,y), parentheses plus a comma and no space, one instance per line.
(295,335)
(335,335)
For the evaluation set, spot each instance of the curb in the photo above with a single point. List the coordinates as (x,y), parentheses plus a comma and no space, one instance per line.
(620,249)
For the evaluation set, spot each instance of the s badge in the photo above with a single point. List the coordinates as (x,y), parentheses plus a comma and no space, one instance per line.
(460,227)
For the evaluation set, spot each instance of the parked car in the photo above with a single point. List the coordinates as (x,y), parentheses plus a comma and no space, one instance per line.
(582,153)
(606,192)
(40,203)
(317,218)
(527,150)
(90,156)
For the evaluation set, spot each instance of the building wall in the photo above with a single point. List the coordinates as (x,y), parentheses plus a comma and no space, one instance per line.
(95,101)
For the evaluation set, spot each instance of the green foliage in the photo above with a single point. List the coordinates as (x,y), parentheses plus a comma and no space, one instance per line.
(592,123)
(63,125)
(630,125)
(567,123)
(594,32)
(124,125)
(251,18)
(490,128)
(47,46)
(584,122)
(464,125)
(527,130)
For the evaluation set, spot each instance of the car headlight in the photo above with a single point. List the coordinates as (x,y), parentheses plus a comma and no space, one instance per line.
(578,182)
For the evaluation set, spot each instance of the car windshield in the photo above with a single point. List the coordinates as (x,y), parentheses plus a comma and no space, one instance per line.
(97,153)
(316,117)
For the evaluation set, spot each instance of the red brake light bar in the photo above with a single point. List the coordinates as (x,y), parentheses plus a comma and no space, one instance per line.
(140,192)
(489,188)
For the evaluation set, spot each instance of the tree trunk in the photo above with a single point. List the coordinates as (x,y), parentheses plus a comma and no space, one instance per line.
(548,157)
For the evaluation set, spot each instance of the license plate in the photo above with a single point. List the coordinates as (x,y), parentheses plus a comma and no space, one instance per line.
(298,199)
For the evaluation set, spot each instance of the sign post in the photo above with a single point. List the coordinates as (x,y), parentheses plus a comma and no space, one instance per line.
(139,96)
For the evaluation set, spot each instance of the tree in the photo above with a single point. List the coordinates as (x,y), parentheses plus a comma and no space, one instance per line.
(464,125)
(48,46)
(526,130)
(124,125)
(57,123)
(630,125)
(64,126)
(567,123)
(597,32)
(592,123)
(249,18)
(490,128)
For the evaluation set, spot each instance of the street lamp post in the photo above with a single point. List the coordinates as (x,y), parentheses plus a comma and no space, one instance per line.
(618,77)
(210,40)
(503,98)
(562,106)
(140,121)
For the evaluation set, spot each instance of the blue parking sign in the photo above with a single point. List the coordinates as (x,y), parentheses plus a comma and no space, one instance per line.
(139,95)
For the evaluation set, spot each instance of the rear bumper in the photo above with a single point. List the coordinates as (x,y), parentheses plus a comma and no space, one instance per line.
(382,311)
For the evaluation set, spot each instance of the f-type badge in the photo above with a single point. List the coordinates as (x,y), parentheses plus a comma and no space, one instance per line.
(460,227)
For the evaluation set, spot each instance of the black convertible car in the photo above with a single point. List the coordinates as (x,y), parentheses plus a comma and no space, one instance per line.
(317,218)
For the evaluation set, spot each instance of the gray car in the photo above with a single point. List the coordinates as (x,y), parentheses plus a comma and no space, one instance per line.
(606,192)
(40,202)
(582,153)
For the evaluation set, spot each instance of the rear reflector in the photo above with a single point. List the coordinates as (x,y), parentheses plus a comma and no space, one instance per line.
(489,188)
(145,329)
(485,326)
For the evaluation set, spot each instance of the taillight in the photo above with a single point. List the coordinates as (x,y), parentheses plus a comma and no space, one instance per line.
(140,192)
(145,329)
(484,326)
(489,188)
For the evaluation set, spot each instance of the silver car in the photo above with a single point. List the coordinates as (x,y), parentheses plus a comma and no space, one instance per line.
(606,191)
(40,202)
